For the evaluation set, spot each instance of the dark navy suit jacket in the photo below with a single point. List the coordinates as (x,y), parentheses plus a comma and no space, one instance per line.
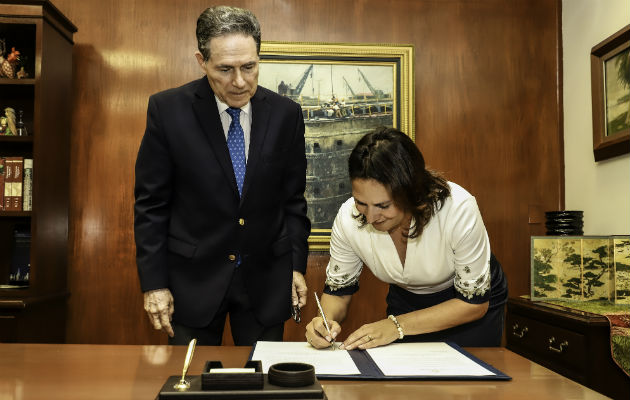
(189,219)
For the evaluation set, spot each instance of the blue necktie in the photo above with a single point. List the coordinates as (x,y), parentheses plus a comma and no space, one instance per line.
(236,146)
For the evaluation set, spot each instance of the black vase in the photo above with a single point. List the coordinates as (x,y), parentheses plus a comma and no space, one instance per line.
(564,223)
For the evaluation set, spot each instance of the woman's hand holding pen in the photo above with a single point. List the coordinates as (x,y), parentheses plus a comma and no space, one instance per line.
(317,334)
(376,334)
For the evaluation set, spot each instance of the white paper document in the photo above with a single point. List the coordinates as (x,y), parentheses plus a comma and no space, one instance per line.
(326,361)
(430,359)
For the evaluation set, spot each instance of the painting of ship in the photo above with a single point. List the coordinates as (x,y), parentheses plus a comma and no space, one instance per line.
(340,104)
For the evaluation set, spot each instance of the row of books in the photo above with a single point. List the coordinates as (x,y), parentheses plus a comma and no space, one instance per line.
(16,184)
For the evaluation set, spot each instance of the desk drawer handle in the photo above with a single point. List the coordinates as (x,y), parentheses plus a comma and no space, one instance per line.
(558,349)
(519,334)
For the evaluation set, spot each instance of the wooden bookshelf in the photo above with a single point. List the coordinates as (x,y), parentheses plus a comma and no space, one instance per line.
(36,313)
(26,81)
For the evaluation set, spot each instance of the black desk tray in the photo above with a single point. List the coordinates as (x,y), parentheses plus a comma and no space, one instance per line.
(232,381)
(268,391)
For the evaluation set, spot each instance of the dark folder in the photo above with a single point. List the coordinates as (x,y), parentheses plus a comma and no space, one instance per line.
(370,370)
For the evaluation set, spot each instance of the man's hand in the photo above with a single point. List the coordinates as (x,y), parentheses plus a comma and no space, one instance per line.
(299,289)
(159,307)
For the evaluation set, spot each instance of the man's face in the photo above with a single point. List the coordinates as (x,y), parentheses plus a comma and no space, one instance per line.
(232,69)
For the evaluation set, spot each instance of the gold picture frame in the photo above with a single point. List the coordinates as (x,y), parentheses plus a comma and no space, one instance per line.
(345,91)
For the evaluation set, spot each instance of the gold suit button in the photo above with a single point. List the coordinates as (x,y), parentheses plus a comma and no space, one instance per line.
(241,221)
(232,257)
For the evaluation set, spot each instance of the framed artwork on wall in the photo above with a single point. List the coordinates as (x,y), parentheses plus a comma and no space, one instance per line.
(345,91)
(610,87)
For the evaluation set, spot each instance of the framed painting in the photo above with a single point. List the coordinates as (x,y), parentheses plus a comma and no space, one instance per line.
(610,87)
(345,91)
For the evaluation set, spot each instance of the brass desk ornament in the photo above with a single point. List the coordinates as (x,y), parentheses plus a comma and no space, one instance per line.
(183,384)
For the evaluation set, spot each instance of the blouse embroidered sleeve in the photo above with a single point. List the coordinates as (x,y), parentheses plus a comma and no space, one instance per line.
(471,251)
(345,266)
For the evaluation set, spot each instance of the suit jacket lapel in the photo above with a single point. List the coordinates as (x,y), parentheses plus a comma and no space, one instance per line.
(207,113)
(261,110)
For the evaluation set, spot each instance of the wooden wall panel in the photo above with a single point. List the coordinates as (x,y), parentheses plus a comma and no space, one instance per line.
(488,115)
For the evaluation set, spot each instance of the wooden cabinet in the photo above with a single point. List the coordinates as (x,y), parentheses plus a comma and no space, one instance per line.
(36,313)
(573,343)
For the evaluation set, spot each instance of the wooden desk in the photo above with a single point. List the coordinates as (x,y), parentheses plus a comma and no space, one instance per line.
(68,372)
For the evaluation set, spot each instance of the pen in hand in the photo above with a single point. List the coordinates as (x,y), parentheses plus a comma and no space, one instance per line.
(321,312)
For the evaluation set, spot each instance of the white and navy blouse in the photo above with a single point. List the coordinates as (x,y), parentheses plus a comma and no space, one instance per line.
(453,250)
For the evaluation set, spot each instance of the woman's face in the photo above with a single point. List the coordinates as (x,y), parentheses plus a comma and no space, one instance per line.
(374,200)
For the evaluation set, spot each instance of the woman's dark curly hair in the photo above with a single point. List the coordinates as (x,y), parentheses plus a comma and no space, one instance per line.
(391,158)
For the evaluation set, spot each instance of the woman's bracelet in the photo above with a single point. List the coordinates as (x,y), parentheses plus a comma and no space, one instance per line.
(395,321)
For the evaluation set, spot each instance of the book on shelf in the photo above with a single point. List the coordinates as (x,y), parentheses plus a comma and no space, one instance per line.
(8,183)
(16,189)
(13,183)
(27,187)
(21,258)
(16,184)
(1,183)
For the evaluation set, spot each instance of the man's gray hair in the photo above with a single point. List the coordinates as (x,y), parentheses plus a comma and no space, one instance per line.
(223,20)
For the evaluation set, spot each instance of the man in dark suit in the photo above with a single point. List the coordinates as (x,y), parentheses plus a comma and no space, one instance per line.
(220,215)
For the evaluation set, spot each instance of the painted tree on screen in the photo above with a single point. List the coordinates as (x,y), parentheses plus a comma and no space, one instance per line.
(594,268)
(543,278)
(573,285)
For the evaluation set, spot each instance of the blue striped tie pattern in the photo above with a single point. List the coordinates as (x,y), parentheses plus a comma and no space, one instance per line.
(236,146)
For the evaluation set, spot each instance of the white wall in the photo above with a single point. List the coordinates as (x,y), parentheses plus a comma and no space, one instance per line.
(601,189)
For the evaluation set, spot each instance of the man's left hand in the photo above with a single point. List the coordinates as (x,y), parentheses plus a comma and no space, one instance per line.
(298,289)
